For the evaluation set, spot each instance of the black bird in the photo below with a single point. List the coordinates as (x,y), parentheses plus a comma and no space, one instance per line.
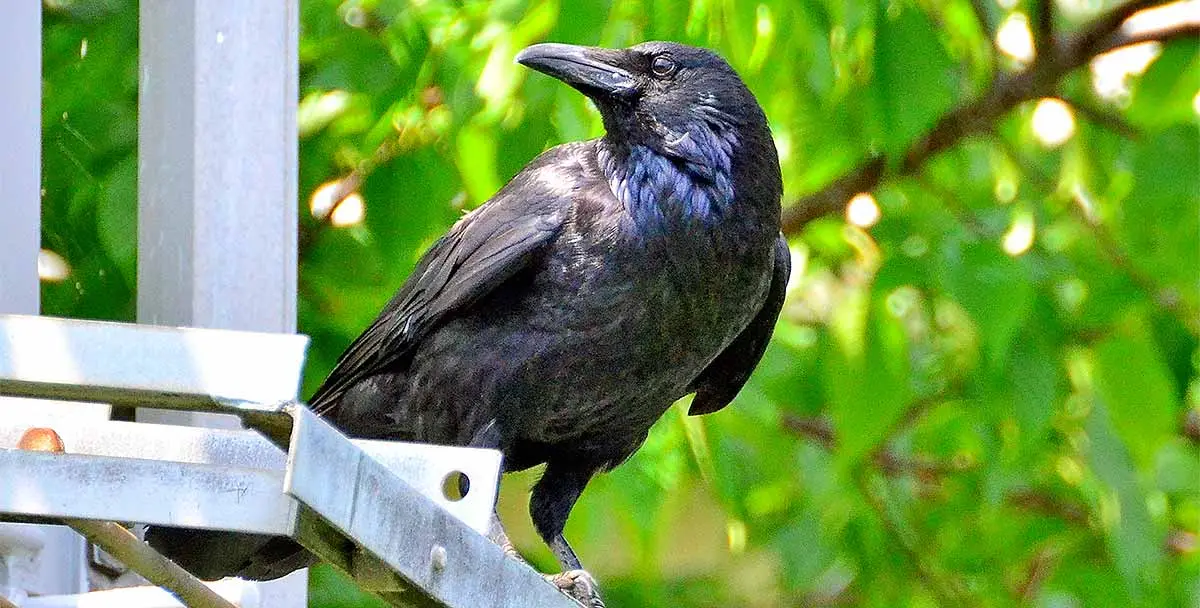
(560,319)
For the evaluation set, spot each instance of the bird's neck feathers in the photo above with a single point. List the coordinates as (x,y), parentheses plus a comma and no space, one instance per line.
(683,176)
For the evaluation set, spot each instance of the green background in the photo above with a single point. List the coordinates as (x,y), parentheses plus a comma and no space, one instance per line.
(938,421)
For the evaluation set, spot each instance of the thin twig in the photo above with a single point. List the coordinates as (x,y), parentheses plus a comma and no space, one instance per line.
(947,592)
(1041,78)
(1102,118)
(1166,298)
(1037,573)
(1043,503)
(919,406)
(1176,31)
(139,557)
(1043,25)
(819,430)
(950,200)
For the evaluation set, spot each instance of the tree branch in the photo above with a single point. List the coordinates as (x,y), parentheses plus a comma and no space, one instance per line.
(1102,118)
(1044,503)
(820,431)
(831,198)
(1043,25)
(1037,573)
(1041,78)
(1120,39)
(947,590)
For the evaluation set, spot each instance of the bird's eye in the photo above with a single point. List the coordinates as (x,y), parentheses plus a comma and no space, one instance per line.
(663,66)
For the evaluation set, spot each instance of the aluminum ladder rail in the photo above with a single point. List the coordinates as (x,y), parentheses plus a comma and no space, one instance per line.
(374,509)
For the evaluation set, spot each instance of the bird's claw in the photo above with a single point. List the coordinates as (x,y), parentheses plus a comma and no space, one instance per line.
(511,552)
(579,586)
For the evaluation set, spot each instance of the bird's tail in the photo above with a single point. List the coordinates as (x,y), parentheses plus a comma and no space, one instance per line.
(212,554)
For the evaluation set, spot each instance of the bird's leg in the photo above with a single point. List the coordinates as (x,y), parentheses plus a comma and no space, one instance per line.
(565,554)
(574,580)
(551,502)
(489,437)
(497,535)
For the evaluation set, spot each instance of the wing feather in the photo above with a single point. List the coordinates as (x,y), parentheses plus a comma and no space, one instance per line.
(485,248)
(721,381)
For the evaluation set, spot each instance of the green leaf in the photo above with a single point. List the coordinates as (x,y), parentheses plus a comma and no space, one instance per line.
(1133,539)
(1163,95)
(914,74)
(992,287)
(477,162)
(328,588)
(1160,218)
(788,373)
(867,383)
(1034,373)
(1136,386)
(116,217)
(410,202)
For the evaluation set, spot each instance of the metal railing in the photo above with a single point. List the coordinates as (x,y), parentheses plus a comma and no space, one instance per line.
(374,509)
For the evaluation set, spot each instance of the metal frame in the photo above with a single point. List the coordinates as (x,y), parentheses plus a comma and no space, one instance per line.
(217,248)
(217,203)
(185,476)
(217,180)
(46,559)
(374,509)
(21,154)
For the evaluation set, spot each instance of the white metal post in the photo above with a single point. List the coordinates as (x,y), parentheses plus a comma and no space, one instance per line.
(43,559)
(20,156)
(217,176)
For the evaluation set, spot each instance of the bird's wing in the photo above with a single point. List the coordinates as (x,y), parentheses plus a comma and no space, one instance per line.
(481,251)
(720,382)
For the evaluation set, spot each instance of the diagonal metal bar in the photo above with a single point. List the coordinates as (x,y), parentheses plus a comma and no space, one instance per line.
(197,470)
(443,561)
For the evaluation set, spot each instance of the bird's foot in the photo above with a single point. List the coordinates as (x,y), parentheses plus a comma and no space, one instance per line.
(579,586)
(510,551)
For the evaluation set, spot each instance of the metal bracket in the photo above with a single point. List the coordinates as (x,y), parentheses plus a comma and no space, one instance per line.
(374,509)
(210,478)
(147,365)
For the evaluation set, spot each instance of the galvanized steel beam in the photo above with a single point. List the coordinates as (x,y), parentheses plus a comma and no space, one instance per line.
(129,364)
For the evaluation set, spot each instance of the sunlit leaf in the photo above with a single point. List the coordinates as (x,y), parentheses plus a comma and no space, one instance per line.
(914,75)
(1142,404)
(328,588)
(477,163)
(867,383)
(1164,94)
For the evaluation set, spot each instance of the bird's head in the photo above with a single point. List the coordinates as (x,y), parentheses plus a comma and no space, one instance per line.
(662,95)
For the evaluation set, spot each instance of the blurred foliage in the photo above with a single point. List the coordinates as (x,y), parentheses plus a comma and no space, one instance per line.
(989,397)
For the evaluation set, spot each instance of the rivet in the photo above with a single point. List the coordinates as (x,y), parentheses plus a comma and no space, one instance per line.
(437,557)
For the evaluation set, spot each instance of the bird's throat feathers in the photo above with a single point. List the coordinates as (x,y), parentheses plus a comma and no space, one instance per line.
(686,177)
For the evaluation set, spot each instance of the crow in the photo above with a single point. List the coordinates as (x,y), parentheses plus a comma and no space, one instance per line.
(559,320)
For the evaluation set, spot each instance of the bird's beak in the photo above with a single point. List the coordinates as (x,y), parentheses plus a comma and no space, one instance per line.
(592,70)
